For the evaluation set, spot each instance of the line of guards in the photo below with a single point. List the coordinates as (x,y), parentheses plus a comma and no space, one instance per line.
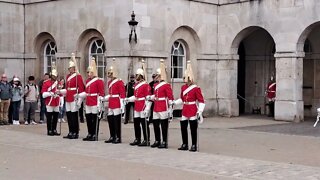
(93,93)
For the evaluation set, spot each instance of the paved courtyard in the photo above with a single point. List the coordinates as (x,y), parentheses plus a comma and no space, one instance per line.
(248,147)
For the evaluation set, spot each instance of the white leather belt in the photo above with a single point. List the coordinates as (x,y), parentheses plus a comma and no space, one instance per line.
(160,99)
(271,91)
(95,94)
(114,95)
(140,99)
(72,89)
(189,103)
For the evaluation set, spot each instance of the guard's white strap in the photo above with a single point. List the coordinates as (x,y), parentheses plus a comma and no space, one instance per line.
(112,83)
(271,85)
(106,98)
(94,94)
(189,103)
(140,99)
(72,89)
(189,89)
(114,95)
(71,77)
(160,99)
(139,85)
(91,81)
(53,86)
(159,85)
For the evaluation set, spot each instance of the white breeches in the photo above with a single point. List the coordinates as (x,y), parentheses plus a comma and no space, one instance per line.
(137,114)
(114,112)
(52,108)
(183,118)
(91,109)
(161,115)
(71,106)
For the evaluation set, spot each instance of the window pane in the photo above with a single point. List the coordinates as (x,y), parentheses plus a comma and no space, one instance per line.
(180,61)
(100,71)
(174,60)
(180,72)
(181,50)
(176,44)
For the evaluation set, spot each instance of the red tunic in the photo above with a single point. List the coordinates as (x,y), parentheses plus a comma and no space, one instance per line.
(271,93)
(190,110)
(116,91)
(140,93)
(162,94)
(73,83)
(94,88)
(51,86)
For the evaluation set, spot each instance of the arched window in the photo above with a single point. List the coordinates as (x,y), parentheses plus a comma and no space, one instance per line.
(50,51)
(97,50)
(178,61)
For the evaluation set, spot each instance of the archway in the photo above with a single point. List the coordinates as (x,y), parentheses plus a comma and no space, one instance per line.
(256,48)
(309,44)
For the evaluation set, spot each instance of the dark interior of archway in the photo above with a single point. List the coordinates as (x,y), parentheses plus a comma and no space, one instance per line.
(255,66)
(241,78)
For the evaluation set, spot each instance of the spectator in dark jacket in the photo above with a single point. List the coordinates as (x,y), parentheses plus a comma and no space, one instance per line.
(5,96)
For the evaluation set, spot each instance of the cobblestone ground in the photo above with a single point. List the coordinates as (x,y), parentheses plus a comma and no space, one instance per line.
(225,153)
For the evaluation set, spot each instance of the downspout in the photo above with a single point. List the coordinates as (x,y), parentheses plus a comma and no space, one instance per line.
(24,43)
(217,43)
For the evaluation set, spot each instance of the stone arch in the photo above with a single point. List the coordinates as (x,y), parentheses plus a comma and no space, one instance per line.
(191,42)
(39,44)
(255,47)
(304,35)
(83,43)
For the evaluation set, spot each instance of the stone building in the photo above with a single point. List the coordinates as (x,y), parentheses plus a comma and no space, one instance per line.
(234,45)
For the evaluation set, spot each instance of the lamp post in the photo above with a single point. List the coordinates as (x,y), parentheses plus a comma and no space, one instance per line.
(133,23)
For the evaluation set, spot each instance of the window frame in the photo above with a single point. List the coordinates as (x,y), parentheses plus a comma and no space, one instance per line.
(98,56)
(49,57)
(183,56)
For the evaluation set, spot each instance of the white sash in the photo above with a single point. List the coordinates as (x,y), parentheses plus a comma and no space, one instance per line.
(188,89)
(53,86)
(112,83)
(139,85)
(159,85)
(271,85)
(91,81)
(72,76)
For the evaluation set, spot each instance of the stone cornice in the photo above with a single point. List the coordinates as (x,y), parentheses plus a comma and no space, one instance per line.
(289,55)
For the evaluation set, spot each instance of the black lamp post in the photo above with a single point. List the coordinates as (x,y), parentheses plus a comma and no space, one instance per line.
(133,23)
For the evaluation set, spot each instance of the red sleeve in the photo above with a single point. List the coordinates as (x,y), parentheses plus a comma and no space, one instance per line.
(169,92)
(101,88)
(181,95)
(44,87)
(122,90)
(80,84)
(199,95)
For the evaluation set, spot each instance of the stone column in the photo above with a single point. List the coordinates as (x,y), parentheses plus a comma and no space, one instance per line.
(289,77)
(227,68)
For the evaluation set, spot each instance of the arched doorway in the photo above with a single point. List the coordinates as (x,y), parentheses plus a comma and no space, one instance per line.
(309,44)
(256,65)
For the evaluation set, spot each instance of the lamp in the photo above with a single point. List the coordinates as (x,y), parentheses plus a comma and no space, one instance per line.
(133,23)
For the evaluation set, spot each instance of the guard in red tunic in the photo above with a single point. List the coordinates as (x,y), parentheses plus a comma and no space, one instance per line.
(271,95)
(74,86)
(94,93)
(141,108)
(116,105)
(52,101)
(162,97)
(193,106)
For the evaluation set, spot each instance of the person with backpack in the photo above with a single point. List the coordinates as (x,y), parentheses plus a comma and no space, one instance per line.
(31,95)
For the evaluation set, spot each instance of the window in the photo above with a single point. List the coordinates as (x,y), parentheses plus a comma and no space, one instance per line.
(50,51)
(177,60)
(96,50)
